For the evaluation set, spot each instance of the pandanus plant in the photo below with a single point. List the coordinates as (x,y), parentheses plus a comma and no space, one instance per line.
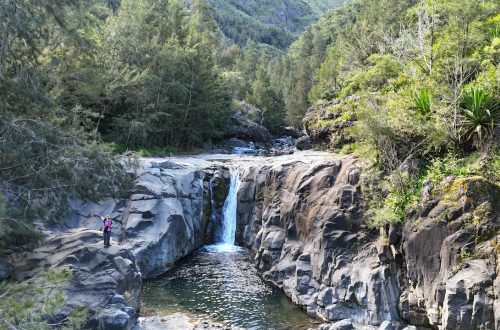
(422,102)
(480,115)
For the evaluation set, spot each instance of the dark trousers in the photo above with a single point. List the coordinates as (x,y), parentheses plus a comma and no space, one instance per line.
(107,237)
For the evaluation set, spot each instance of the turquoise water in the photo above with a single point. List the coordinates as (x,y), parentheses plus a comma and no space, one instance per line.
(220,283)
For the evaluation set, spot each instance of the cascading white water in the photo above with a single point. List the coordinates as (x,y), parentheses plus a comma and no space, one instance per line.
(230,209)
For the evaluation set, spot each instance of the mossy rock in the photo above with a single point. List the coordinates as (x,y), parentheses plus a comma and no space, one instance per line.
(474,189)
(220,190)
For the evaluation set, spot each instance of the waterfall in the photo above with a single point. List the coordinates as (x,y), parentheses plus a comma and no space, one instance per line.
(230,209)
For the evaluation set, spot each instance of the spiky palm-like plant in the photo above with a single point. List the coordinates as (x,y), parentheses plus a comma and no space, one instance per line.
(480,115)
(422,102)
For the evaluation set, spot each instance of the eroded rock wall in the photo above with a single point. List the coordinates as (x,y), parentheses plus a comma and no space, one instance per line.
(164,217)
(450,244)
(303,221)
(161,222)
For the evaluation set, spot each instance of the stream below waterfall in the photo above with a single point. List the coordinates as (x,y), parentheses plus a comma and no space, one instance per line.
(222,285)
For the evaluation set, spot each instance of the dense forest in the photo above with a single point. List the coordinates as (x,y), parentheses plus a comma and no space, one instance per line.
(276,23)
(413,89)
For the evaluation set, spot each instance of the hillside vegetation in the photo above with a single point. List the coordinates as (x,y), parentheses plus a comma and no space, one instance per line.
(410,86)
(274,22)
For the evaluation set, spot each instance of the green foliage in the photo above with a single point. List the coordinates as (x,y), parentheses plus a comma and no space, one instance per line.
(165,87)
(49,151)
(480,113)
(399,193)
(263,22)
(485,165)
(382,217)
(422,101)
(34,304)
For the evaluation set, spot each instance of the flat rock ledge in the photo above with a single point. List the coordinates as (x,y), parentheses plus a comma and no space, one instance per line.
(178,321)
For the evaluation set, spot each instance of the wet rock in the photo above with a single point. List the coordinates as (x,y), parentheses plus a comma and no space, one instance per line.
(340,325)
(114,319)
(177,321)
(386,325)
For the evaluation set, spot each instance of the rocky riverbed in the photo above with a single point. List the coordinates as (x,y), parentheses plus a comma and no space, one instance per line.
(302,216)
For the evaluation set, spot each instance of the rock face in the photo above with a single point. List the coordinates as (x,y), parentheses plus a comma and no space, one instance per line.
(163,219)
(302,215)
(303,220)
(450,248)
(161,222)
(106,282)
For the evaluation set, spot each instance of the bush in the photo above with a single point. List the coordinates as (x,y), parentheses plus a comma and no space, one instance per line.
(485,165)
(31,304)
(403,193)
(480,115)
(422,102)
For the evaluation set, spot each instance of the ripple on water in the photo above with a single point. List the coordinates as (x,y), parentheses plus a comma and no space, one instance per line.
(220,283)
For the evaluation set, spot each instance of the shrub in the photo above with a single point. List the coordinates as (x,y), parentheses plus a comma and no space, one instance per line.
(31,304)
(422,102)
(480,115)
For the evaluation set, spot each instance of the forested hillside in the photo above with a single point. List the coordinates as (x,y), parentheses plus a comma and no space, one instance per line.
(74,75)
(410,85)
(274,22)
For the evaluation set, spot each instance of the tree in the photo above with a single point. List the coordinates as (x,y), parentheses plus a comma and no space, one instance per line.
(266,99)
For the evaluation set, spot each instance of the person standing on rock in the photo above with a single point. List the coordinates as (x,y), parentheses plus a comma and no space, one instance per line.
(107,224)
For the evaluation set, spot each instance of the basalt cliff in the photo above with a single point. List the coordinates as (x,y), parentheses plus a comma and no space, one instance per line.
(303,217)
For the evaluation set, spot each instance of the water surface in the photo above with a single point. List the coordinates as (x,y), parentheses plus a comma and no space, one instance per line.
(220,283)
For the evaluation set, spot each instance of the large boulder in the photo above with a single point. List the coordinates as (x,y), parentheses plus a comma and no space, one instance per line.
(303,143)
(243,128)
